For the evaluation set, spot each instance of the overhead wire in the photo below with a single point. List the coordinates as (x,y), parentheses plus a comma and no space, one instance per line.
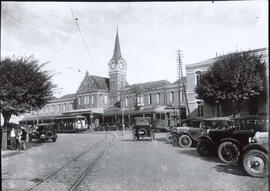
(81,34)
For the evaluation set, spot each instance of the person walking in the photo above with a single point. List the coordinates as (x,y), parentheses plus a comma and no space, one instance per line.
(12,137)
(23,139)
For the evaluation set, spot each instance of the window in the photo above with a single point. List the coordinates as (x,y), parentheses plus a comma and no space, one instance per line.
(92,99)
(171,96)
(126,101)
(79,100)
(198,76)
(140,100)
(105,99)
(86,99)
(199,108)
(149,99)
(158,98)
(65,107)
(58,108)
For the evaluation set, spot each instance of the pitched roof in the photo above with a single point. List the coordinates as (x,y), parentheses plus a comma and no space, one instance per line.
(92,83)
(63,98)
(117,50)
(184,79)
(262,51)
(148,85)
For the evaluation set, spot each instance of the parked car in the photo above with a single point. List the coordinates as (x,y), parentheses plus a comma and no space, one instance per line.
(255,155)
(190,135)
(227,141)
(175,132)
(192,129)
(143,128)
(44,132)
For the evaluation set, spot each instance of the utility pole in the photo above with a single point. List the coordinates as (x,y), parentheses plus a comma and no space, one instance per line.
(180,80)
(123,116)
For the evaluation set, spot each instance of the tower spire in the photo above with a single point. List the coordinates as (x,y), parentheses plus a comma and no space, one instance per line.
(117,50)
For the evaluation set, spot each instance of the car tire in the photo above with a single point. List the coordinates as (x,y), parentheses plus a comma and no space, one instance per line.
(144,130)
(49,134)
(255,163)
(168,138)
(175,139)
(53,139)
(185,141)
(229,153)
(204,148)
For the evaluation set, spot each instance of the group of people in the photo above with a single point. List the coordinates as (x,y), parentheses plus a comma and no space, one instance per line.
(18,139)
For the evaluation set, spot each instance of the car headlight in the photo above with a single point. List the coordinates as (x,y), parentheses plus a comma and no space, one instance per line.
(252,140)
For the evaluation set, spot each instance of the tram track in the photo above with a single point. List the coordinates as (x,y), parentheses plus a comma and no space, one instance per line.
(67,164)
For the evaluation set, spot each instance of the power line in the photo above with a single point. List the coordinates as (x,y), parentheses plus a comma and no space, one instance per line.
(83,39)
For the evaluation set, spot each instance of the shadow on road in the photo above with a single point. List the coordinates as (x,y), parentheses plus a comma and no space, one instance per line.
(131,140)
(220,167)
(231,169)
(29,145)
(193,152)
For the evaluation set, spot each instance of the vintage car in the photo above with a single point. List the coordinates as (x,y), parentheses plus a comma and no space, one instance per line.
(44,132)
(192,129)
(175,132)
(143,128)
(229,141)
(255,155)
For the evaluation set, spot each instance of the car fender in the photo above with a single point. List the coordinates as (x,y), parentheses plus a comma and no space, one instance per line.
(184,133)
(232,140)
(205,137)
(255,146)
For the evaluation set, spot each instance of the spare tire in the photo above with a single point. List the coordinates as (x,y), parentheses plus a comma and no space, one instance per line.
(142,132)
(49,134)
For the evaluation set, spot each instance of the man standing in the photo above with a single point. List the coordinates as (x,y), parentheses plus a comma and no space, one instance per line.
(13,138)
(23,138)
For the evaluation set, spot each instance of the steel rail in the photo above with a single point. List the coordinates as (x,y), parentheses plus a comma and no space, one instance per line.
(64,166)
(91,166)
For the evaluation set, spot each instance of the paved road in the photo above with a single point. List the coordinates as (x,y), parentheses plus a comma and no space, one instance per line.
(117,163)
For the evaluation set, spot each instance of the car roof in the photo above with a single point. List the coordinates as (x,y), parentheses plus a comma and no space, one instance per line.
(252,117)
(45,124)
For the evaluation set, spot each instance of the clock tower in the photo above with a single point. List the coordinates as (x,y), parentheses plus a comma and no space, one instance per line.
(117,71)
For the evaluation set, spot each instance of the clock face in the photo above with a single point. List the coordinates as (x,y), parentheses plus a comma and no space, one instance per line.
(121,66)
(113,65)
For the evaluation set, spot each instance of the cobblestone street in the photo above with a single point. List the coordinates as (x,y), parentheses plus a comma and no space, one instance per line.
(115,162)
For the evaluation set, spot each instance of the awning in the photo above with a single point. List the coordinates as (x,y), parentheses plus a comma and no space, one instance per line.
(85,111)
(143,110)
(71,117)
(40,117)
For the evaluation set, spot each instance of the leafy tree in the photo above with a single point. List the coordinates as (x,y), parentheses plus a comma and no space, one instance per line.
(24,86)
(233,78)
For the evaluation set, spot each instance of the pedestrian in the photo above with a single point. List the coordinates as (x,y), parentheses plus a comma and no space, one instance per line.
(12,137)
(17,145)
(23,138)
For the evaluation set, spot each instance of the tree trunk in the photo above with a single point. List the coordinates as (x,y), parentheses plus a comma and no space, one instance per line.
(6,116)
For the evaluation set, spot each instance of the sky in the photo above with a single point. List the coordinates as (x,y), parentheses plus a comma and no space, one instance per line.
(150,34)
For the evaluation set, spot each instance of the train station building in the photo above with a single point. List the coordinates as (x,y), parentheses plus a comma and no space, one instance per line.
(101,101)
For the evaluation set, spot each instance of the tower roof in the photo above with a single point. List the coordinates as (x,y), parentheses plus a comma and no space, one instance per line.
(117,50)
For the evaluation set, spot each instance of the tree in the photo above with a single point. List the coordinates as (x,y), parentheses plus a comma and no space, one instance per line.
(24,86)
(233,78)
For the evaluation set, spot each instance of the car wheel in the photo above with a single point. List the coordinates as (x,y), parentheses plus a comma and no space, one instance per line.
(228,152)
(255,163)
(175,139)
(169,138)
(185,141)
(49,134)
(204,148)
(54,139)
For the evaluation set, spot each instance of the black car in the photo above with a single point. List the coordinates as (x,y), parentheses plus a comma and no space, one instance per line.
(229,141)
(255,155)
(143,128)
(44,132)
